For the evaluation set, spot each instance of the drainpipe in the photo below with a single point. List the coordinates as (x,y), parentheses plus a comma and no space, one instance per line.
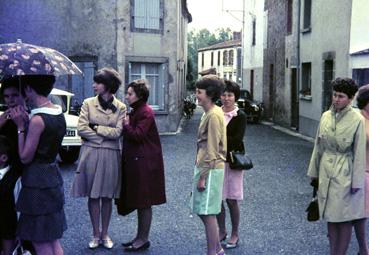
(298,58)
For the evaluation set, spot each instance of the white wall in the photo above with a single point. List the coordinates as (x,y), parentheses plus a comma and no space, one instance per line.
(359,37)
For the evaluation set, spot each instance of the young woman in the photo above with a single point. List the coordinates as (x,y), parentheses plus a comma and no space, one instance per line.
(233,179)
(41,199)
(143,183)
(211,154)
(338,162)
(99,170)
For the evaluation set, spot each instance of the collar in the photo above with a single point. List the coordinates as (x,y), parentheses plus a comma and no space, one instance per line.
(52,111)
(137,104)
(107,104)
(3,172)
(232,113)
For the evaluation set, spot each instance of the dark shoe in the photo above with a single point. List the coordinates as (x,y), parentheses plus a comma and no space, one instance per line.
(231,245)
(127,244)
(224,238)
(145,246)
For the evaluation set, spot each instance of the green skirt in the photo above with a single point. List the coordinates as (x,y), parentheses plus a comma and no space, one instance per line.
(207,202)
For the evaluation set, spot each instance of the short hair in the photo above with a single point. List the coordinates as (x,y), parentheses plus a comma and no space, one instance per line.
(141,88)
(213,86)
(110,78)
(11,82)
(232,87)
(6,147)
(345,85)
(41,84)
(363,96)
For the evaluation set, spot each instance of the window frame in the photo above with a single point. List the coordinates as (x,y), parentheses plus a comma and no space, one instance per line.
(307,16)
(160,30)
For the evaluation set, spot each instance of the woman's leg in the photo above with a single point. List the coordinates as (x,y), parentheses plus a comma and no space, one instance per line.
(57,248)
(8,246)
(221,222)
(143,226)
(211,231)
(106,208)
(234,211)
(344,231)
(44,248)
(94,210)
(333,237)
(359,226)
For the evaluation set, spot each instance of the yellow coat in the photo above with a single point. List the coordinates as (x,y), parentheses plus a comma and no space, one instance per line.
(339,161)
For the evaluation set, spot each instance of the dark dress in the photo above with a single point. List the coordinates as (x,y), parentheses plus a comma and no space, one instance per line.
(143,183)
(41,199)
(8,214)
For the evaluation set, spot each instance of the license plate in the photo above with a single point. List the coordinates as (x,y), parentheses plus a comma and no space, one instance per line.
(70,133)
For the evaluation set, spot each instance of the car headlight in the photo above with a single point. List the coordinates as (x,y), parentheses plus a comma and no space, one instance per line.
(256,108)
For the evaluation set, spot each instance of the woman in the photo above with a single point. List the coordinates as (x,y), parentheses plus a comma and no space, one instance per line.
(41,199)
(360,225)
(211,154)
(338,160)
(98,173)
(143,182)
(233,179)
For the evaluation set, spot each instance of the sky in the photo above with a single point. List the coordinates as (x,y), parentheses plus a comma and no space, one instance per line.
(208,14)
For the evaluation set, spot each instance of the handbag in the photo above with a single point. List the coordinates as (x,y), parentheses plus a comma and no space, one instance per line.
(313,208)
(240,161)
(19,250)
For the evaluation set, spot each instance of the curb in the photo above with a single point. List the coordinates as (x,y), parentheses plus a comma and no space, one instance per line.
(288,131)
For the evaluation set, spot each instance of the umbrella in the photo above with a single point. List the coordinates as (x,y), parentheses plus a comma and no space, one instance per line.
(27,59)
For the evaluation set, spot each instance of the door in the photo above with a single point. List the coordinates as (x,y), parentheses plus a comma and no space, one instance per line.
(294,99)
(327,88)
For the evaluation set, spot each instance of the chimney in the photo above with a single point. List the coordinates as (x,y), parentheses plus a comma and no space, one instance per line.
(236,35)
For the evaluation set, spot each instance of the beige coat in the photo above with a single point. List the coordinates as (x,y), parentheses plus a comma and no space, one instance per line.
(338,160)
(110,124)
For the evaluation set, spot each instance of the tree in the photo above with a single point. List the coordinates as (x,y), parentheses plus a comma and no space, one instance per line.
(200,39)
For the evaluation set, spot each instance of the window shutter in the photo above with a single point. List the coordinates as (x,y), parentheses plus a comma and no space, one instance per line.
(140,14)
(162,81)
(153,14)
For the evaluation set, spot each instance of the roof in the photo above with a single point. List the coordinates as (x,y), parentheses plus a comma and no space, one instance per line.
(222,45)
(361,52)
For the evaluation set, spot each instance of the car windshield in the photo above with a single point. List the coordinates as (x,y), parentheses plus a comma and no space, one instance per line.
(245,94)
(59,100)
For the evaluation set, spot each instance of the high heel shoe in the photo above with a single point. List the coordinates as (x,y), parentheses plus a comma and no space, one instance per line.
(231,245)
(224,238)
(127,244)
(221,252)
(145,246)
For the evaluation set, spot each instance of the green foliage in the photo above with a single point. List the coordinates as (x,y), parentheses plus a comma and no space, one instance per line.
(200,39)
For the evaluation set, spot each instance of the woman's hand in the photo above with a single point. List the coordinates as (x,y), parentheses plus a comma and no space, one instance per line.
(126,120)
(201,184)
(354,190)
(19,116)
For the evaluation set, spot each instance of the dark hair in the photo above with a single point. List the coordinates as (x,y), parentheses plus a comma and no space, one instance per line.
(232,87)
(6,147)
(12,82)
(110,78)
(363,96)
(41,84)
(345,85)
(213,86)
(141,88)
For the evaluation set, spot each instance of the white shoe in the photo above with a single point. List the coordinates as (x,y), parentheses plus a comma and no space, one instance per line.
(107,243)
(94,243)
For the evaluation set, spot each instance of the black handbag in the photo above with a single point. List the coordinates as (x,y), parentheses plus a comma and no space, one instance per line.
(313,208)
(240,161)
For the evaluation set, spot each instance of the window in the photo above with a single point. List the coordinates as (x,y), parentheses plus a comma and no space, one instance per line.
(253,31)
(212,58)
(306,79)
(225,58)
(361,76)
(230,58)
(218,58)
(147,16)
(154,74)
(202,59)
(289,16)
(307,15)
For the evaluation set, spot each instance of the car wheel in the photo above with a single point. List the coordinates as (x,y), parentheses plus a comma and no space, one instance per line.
(70,154)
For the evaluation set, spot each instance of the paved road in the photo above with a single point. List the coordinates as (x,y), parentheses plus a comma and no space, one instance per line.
(273,221)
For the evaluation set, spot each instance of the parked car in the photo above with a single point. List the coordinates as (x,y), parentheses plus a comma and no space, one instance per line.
(252,108)
(71,144)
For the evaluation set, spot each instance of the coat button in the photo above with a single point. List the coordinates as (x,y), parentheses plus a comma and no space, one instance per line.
(330,160)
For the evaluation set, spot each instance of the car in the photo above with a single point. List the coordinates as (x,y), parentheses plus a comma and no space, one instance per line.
(71,143)
(253,109)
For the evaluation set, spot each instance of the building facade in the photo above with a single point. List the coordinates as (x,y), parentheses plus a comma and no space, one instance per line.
(225,57)
(141,39)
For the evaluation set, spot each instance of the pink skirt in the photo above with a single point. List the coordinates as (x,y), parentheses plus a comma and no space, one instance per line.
(233,184)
